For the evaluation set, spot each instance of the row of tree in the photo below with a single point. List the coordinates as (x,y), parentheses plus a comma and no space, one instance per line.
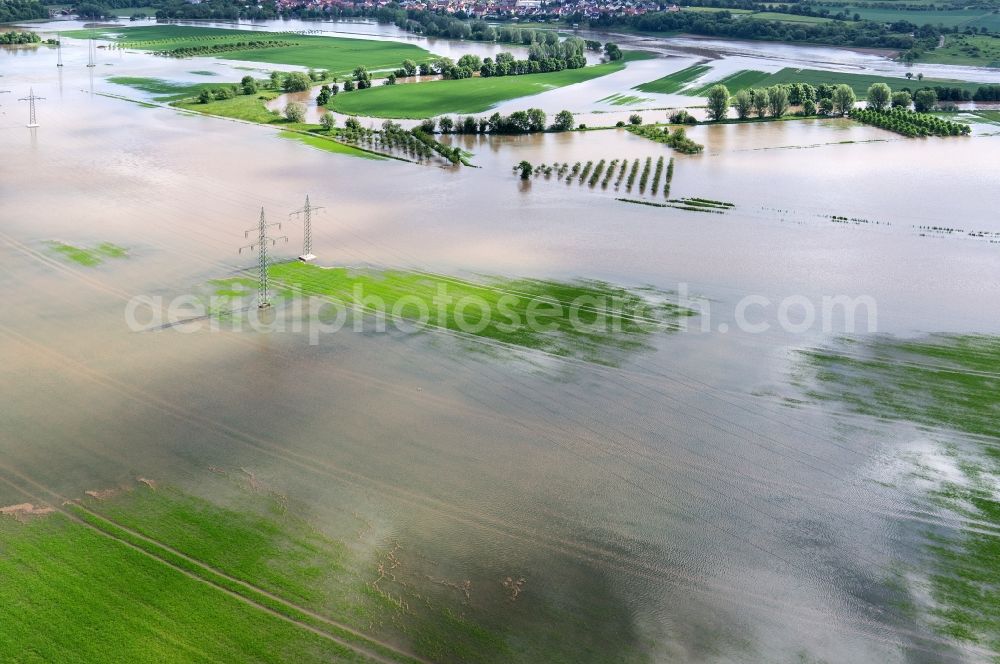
(909,123)
(21,10)
(518,122)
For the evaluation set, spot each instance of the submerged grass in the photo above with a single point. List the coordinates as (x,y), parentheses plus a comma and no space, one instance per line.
(588,320)
(952,382)
(89,256)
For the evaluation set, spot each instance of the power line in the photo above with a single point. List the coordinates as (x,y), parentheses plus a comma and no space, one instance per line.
(306,212)
(261,247)
(31,98)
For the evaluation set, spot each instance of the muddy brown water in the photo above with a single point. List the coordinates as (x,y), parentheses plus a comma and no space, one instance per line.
(675,493)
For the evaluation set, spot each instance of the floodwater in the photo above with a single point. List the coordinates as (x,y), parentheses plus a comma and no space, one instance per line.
(676,494)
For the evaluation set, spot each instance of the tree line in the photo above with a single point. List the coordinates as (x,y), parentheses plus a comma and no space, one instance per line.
(21,10)
(13,37)
(518,122)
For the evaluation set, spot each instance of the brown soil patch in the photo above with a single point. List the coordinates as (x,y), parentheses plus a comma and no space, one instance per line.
(22,512)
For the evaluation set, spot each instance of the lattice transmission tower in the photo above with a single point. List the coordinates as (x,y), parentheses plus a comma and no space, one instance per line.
(307,241)
(263,239)
(31,99)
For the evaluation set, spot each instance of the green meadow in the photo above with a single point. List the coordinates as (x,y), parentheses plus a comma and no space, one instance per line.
(605,323)
(858,82)
(948,383)
(336,54)
(976,50)
(470,95)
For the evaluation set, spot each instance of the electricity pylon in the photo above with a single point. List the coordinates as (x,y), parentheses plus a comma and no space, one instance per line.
(59,52)
(261,246)
(31,98)
(307,239)
(91,62)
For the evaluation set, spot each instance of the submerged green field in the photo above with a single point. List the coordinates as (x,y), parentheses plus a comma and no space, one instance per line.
(587,320)
(339,55)
(470,95)
(947,383)
(88,256)
(142,572)
(860,83)
(675,82)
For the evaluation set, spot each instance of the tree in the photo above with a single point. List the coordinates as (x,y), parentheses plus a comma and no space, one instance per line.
(352,123)
(809,107)
(348,85)
(612,51)
(901,99)
(920,77)
(760,101)
(743,103)
(390,79)
(526,169)
(328,121)
(296,81)
(469,125)
(563,121)
(362,79)
(295,112)
(924,100)
(536,119)
(826,106)
(843,99)
(249,85)
(879,96)
(446,124)
(205,96)
(472,62)
(718,102)
(323,98)
(635,119)
(777,100)
(275,80)
(427,125)
(409,67)
(909,75)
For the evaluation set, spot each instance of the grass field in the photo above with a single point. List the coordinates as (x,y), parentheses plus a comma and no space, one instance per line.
(72,594)
(858,82)
(975,50)
(949,18)
(953,383)
(328,145)
(500,309)
(675,82)
(790,18)
(471,95)
(163,89)
(338,55)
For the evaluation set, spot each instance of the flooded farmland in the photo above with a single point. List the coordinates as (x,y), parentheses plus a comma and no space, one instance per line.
(700,499)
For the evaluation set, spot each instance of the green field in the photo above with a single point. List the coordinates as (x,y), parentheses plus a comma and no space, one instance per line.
(675,82)
(470,95)
(338,55)
(858,82)
(949,18)
(499,311)
(163,89)
(328,145)
(70,593)
(975,50)
(953,383)
(790,18)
